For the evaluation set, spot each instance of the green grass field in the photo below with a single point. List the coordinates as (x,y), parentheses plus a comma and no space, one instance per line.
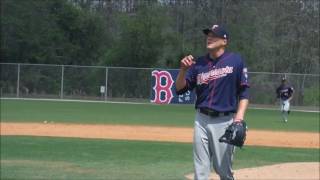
(26,157)
(73,158)
(142,114)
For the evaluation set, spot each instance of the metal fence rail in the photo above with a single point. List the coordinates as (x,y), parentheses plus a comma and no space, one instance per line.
(130,84)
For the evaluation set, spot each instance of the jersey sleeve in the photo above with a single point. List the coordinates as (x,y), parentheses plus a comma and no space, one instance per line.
(244,83)
(191,81)
(291,90)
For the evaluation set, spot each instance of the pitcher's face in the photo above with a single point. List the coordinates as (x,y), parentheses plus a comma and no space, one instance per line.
(214,42)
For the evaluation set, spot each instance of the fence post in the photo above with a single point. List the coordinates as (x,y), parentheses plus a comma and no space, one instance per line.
(18,81)
(106,89)
(62,77)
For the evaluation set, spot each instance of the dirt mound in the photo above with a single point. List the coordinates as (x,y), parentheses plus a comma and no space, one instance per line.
(285,171)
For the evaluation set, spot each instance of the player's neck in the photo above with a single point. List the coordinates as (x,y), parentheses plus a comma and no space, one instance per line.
(214,54)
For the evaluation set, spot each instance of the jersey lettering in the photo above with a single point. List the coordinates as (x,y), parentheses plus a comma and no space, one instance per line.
(204,78)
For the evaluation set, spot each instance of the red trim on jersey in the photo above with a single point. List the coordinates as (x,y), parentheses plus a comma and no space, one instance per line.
(214,80)
(210,84)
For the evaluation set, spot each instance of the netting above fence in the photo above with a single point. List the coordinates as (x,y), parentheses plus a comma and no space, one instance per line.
(130,84)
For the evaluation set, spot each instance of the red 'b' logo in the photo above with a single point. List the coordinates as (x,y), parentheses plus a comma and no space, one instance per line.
(159,88)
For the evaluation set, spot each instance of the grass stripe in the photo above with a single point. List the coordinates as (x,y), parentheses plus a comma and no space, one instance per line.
(142,114)
(74,158)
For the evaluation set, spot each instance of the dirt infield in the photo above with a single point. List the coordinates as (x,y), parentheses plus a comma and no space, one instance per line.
(152,133)
(174,134)
(287,171)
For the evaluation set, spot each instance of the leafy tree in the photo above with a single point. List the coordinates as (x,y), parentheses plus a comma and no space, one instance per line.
(139,40)
(50,32)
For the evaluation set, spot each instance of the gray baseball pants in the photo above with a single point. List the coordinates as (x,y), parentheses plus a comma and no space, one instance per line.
(207,150)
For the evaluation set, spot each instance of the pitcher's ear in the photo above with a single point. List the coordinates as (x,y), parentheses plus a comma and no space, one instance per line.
(225,41)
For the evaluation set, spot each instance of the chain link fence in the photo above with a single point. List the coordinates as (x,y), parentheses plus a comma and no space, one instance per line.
(131,84)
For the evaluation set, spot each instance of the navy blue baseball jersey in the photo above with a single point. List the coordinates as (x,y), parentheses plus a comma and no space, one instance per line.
(219,83)
(284,92)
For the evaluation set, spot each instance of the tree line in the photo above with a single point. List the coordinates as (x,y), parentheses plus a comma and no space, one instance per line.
(272,35)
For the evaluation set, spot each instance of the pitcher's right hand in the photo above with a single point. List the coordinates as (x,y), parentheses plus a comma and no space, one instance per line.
(187,62)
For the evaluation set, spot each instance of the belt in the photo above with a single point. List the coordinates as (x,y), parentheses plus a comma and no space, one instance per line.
(214,113)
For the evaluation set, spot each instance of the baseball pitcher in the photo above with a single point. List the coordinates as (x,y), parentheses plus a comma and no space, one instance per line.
(220,81)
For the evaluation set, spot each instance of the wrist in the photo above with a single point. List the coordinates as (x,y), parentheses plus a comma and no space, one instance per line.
(238,117)
(237,120)
(183,69)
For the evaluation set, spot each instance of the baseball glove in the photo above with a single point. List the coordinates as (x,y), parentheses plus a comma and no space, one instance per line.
(235,134)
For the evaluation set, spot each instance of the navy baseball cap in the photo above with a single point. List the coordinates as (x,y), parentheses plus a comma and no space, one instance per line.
(217,30)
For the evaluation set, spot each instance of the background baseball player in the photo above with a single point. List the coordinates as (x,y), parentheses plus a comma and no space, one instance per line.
(285,94)
(221,86)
